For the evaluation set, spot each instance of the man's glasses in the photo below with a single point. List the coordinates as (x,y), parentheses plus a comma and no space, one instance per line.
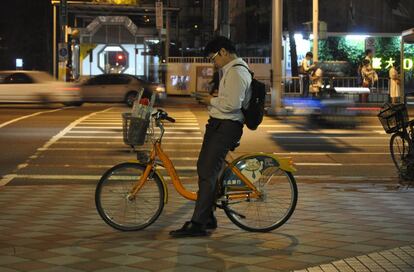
(214,56)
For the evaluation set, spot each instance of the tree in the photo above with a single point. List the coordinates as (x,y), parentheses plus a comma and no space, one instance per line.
(291,15)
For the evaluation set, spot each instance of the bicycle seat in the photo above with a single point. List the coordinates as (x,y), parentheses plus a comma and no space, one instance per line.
(232,148)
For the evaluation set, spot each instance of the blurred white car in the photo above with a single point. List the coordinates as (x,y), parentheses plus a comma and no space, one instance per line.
(36,87)
(118,88)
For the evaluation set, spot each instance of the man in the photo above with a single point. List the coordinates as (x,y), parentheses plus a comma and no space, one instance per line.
(305,70)
(316,81)
(223,131)
(369,54)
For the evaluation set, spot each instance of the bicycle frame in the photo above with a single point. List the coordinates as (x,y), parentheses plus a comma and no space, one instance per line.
(157,152)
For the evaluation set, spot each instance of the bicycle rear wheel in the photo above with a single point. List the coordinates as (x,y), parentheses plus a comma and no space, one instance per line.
(272,209)
(400,147)
(126,214)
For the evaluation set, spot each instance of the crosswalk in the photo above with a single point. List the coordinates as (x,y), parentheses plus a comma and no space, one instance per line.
(93,143)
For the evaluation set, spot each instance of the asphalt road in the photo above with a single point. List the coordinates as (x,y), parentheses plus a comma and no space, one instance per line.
(63,145)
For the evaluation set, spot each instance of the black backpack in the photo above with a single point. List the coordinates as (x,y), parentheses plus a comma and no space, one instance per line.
(253,114)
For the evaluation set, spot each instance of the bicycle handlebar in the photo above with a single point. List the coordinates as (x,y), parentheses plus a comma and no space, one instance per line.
(172,120)
(162,115)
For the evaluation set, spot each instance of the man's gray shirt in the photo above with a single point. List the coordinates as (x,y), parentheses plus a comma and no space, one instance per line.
(233,94)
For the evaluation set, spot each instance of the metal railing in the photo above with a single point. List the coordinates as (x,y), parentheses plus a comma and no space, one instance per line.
(379,92)
(249,60)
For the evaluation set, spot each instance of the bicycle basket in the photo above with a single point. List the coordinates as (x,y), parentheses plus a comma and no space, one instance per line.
(393,117)
(134,129)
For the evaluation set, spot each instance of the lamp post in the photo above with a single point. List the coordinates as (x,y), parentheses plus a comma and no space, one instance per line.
(276,89)
(315,7)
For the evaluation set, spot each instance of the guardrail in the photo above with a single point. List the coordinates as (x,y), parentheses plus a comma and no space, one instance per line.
(379,92)
(249,60)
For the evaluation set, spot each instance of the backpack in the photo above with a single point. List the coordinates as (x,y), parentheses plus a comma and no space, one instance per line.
(253,114)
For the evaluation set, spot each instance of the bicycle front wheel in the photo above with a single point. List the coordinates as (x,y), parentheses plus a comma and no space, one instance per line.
(400,147)
(121,212)
(272,209)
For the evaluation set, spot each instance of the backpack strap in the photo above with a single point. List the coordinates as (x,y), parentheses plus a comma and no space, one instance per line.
(239,64)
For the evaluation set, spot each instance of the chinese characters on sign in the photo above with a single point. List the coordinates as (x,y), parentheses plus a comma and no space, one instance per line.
(381,63)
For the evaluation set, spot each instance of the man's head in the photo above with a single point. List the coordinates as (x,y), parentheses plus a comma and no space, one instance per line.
(309,56)
(369,53)
(220,50)
(366,62)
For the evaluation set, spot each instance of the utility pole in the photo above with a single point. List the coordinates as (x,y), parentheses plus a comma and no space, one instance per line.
(54,41)
(315,28)
(277,24)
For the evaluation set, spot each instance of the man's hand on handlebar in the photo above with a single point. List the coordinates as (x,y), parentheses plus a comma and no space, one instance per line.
(162,115)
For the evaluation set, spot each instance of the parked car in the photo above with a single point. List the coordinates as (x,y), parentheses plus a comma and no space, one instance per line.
(118,88)
(36,87)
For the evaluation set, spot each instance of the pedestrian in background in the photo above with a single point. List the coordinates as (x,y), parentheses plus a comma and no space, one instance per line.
(305,70)
(395,90)
(369,77)
(369,54)
(316,81)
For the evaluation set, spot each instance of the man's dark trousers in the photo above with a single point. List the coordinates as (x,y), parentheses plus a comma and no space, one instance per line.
(220,136)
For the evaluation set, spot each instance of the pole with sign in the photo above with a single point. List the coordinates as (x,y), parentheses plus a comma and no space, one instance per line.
(158,15)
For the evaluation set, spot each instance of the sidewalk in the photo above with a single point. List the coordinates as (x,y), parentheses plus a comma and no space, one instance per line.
(336,227)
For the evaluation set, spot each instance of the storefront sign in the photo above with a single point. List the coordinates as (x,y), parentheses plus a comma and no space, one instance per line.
(381,63)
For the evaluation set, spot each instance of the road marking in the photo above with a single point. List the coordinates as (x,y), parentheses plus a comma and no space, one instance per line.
(276,126)
(6,179)
(121,137)
(195,178)
(350,178)
(330,153)
(120,123)
(340,164)
(120,132)
(323,131)
(118,143)
(62,133)
(27,116)
(326,137)
(106,149)
(120,127)
(340,145)
(54,139)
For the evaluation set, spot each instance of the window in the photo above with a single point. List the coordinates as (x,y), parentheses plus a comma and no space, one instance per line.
(18,78)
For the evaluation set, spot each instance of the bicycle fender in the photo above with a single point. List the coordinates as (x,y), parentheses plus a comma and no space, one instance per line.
(285,164)
(164,185)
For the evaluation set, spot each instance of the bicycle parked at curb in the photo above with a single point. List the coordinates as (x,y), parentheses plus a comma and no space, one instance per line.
(394,119)
(257,191)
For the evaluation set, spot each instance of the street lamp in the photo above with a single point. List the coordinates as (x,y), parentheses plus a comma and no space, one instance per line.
(315,7)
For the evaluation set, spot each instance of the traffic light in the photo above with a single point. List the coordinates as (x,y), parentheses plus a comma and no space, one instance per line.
(118,58)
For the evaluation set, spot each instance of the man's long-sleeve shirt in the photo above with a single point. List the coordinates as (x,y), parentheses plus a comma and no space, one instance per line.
(234,92)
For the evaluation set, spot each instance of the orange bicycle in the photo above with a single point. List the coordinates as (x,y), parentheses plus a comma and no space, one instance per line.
(256,191)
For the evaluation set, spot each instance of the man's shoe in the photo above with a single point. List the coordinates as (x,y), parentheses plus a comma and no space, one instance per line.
(212,223)
(190,229)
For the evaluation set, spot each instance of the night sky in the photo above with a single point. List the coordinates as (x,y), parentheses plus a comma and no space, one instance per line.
(26,32)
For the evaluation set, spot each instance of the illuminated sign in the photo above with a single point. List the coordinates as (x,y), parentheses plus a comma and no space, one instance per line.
(381,63)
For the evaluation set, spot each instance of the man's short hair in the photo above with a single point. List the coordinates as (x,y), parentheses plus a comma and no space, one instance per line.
(309,54)
(217,43)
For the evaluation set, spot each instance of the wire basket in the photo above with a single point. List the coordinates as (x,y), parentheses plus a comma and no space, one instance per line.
(134,129)
(393,117)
